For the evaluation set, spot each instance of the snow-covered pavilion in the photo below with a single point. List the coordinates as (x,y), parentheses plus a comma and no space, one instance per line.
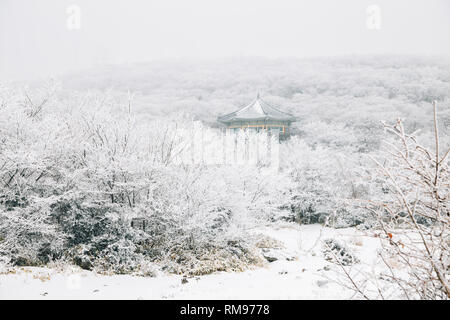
(259,115)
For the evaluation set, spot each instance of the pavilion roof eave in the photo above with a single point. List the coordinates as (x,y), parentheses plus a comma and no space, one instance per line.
(265,119)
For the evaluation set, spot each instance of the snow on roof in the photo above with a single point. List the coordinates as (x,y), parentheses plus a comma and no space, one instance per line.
(258,109)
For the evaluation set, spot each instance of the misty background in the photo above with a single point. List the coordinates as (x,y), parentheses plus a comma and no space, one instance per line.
(36,42)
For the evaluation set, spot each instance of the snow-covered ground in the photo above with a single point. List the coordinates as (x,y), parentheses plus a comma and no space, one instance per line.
(307,276)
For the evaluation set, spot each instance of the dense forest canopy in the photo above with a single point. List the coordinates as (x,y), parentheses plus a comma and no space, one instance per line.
(348,95)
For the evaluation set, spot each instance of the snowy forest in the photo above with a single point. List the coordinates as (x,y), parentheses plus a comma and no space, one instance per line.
(83,155)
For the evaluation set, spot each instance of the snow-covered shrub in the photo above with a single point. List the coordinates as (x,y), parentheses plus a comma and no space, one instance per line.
(350,214)
(336,251)
(28,237)
(73,178)
(197,219)
(234,254)
(325,182)
(414,214)
(411,218)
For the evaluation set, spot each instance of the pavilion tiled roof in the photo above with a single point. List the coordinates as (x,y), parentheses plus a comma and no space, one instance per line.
(258,109)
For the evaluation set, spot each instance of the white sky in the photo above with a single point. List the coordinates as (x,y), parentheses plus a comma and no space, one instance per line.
(35,42)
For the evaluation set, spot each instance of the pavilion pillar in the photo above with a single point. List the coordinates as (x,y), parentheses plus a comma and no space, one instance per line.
(274,141)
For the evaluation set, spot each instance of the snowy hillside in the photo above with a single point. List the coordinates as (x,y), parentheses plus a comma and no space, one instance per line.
(305,275)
